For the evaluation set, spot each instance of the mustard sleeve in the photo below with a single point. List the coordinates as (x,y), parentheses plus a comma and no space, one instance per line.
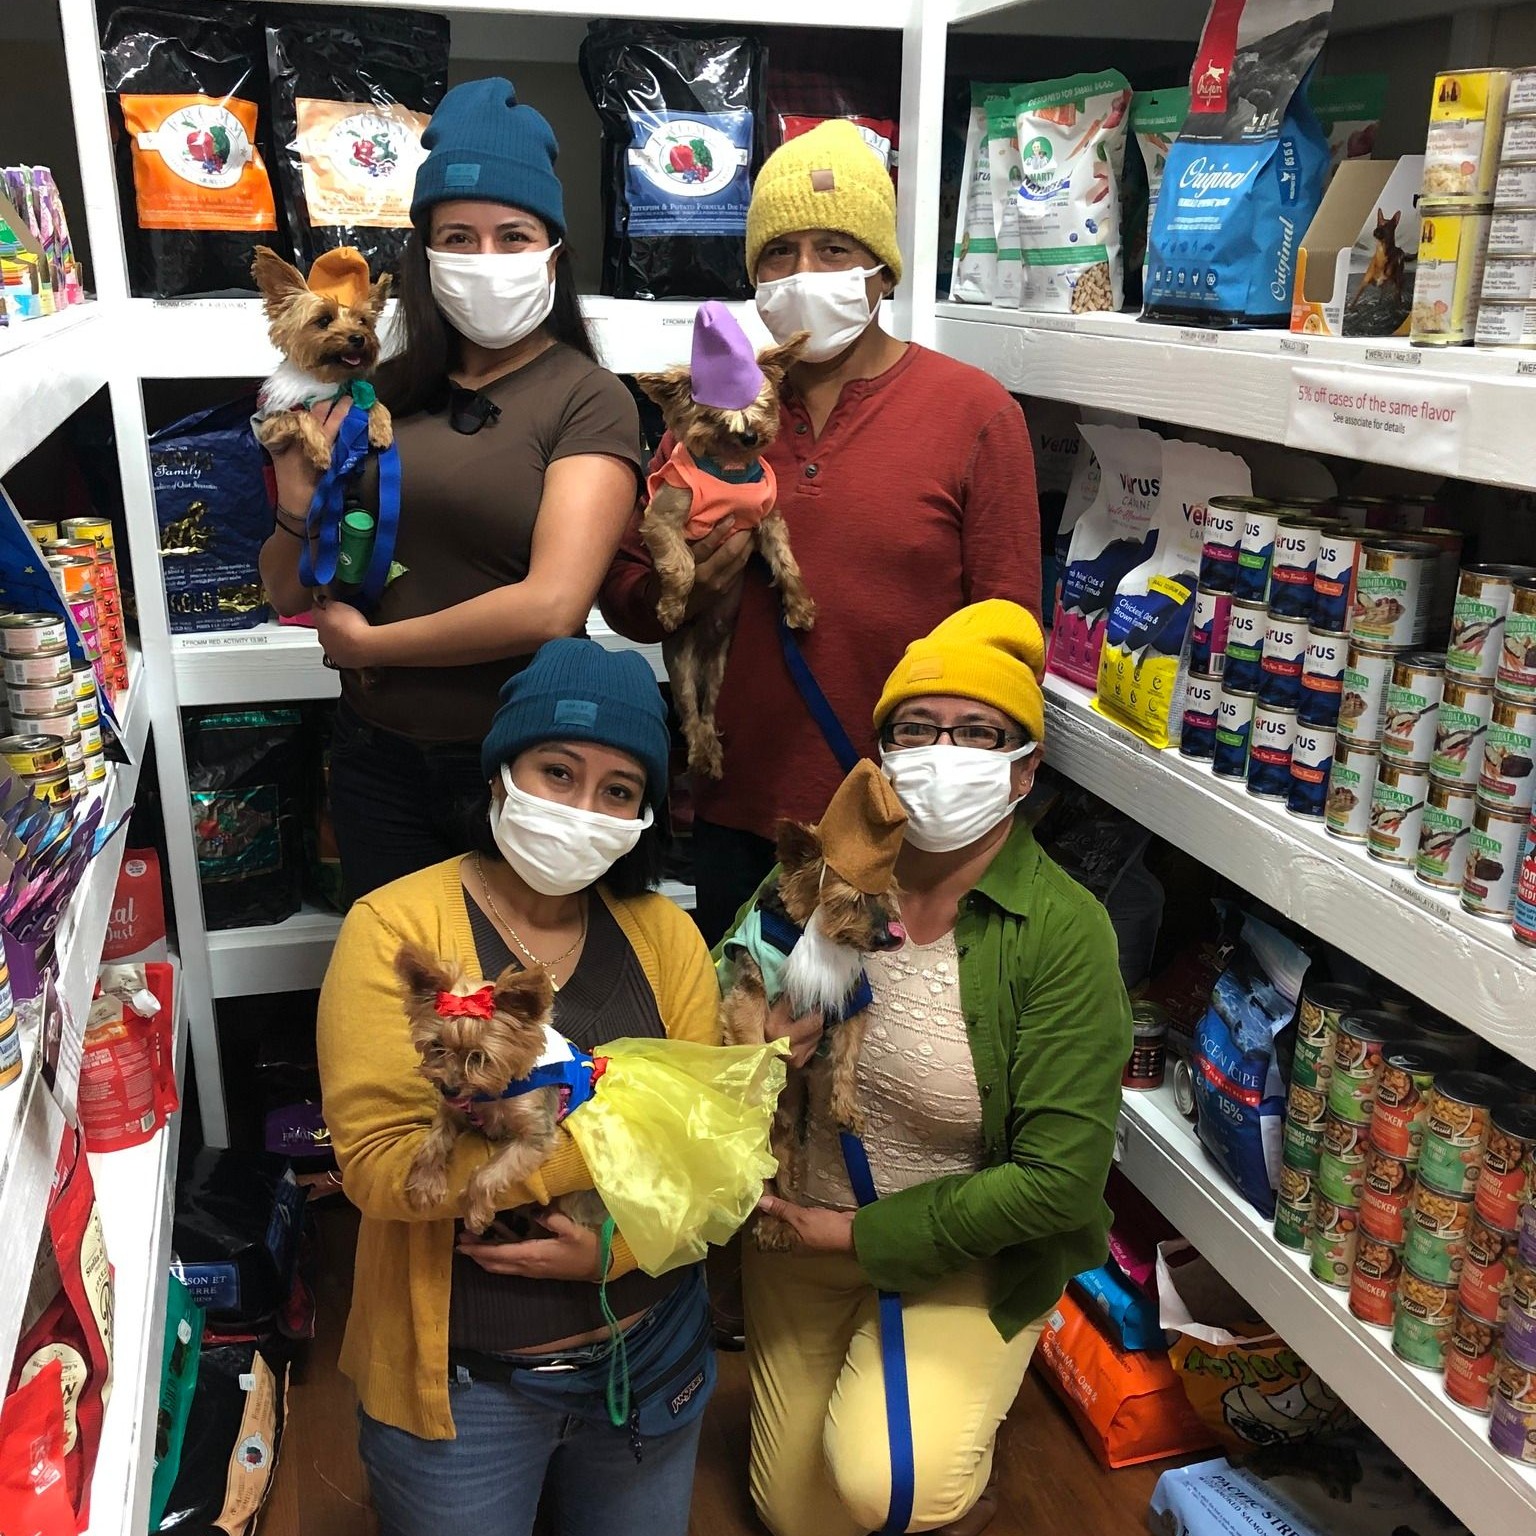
(377,1105)
(688,997)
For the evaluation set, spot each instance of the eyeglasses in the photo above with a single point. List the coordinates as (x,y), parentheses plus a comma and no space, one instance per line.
(923,733)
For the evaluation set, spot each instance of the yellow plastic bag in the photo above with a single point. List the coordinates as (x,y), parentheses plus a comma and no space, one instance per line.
(676,1139)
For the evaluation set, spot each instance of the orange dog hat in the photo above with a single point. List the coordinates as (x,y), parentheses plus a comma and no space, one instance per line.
(341,275)
(861,832)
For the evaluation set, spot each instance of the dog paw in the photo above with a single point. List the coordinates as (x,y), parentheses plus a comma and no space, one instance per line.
(426,1187)
(847,1114)
(670,612)
(481,1211)
(319,456)
(773,1234)
(707,760)
(800,613)
(380,436)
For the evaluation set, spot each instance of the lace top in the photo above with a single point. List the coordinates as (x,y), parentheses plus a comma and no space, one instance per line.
(916,1084)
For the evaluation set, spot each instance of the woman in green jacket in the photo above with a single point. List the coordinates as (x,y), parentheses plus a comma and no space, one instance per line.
(990,1083)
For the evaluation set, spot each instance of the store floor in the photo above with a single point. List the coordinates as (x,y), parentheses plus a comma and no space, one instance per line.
(1050,1484)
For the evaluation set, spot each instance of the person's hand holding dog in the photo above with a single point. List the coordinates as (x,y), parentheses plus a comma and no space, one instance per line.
(816,1230)
(719,559)
(803,1034)
(296,477)
(570,1252)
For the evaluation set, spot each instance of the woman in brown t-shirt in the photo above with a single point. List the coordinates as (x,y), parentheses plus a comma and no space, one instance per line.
(519,458)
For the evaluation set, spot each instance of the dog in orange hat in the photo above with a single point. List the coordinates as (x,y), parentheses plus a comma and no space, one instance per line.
(326,327)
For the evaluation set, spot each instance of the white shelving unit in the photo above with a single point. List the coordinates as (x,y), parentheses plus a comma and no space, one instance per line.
(49,368)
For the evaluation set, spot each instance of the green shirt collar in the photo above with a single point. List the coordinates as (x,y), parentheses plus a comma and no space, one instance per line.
(1010,876)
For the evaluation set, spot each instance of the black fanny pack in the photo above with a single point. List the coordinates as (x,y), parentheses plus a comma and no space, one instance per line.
(671,1360)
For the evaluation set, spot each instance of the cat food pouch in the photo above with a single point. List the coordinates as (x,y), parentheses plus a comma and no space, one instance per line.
(1246,174)
(1144,661)
(186,95)
(682,111)
(1348,110)
(1156,117)
(352,92)
(1004,178)
(1071,144)
(974,280)
(1108,540)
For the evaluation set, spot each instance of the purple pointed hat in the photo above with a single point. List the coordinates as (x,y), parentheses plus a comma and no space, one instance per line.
(725,371)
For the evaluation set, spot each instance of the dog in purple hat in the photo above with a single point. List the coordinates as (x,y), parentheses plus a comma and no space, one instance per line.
(722,411)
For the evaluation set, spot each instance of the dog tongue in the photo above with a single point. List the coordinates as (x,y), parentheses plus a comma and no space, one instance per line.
(725,372)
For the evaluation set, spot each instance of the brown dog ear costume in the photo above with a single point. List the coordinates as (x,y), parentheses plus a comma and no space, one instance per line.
(861,830)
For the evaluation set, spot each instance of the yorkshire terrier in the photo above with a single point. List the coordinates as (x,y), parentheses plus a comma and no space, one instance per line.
(715,471)
(474,1040)
(829,924)
(326,327)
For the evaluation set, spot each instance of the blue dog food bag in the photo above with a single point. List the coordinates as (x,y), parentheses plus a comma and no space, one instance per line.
(1247,172)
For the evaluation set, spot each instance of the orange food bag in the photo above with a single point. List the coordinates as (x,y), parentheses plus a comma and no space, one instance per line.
(1129,1405)
(196,164)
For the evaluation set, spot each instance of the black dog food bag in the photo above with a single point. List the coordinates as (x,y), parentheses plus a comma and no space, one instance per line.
(186,98)
(352,92)
(682,110)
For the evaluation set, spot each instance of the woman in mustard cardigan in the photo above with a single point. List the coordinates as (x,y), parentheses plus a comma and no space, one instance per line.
(481,1365)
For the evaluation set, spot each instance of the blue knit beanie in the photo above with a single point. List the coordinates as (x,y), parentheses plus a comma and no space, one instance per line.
(482,145)
(575,690)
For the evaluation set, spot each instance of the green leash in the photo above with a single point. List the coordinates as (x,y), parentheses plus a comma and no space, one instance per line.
(618,1350)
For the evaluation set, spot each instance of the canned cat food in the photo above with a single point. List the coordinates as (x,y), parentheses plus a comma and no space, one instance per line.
(1403,1085)
(53,789)
(1386,1192)
(1363,696)
(1523,920)
(1322,678)
(1519,141)
(1466,128)
(72,575)
(1456,1130)
(1516,675)
(1335,1229)
(1280,661)
(1311,765)
(1511,233)
(33,756)
(83,674)
(1255,552)
(74,751)
(1437,1234)
(1297,540)
(1461,1048)
(1444,831)
(1422,1323)
(1411,708)
(1392,593)
(1202,704)
(1483,597)
(1509,754)
(1508,278)
(1461,724)
(1373,1285)
(1485,1274)
(26,634)
(1512,1424)
(1269,752)
(1470,1362)
(1493,859)
(1234,725)
(1208,632)
(1222,534)
(1453,243)
(87,710)
(1351,785)
(98,530)
(37,669)
(43,699)
(1509,1162)
(1397,812)
(1515,187)
(1522,91)
(1333,579)
(59,722)
(1149,1049)
(1245,646)
(1293,1224)
(1505,325)
(95,768)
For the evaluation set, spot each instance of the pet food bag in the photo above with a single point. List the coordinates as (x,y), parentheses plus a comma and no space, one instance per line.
(1071,143)
(1247,172)
(67,1319)
(682,112)
(136,927)
(1348,110)
(127,1069)
(214,515)
(178,1385)
(34,1494)
(352,92)
(249,772)
(817,74)
(1004,173)
(186,92)
(1248,1386)
(1128,1406)
(1239,1094)
(1156,117)
(1107,541)
(1143,663)
(1128,1315)
(974,279)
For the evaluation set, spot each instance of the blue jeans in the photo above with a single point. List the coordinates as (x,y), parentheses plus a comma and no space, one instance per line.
(487,1482)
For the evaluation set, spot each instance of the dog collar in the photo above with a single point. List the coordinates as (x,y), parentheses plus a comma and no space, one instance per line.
(750,475)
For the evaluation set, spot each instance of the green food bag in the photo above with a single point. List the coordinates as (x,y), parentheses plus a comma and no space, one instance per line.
(178,1382)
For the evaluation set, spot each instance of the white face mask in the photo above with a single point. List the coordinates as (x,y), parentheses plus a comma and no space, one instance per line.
(494,300)
(952,795)
(832,306)
(558,849)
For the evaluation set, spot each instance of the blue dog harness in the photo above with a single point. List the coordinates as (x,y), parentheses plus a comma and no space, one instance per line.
(563,1066)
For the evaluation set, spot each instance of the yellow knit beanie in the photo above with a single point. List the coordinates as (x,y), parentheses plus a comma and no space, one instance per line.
(828,178)
(992,651)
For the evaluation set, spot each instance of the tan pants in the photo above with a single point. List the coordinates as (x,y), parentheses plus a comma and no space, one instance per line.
(821,1461)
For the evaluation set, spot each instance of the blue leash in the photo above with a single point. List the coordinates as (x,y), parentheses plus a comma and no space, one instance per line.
(326,511)
(893,1361)
(816,701)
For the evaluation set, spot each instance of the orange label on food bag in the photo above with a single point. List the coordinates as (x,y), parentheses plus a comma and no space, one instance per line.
(196,165)
(359,161)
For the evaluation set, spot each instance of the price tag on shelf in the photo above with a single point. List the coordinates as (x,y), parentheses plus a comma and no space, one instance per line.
(1417,423)
(1120,1134)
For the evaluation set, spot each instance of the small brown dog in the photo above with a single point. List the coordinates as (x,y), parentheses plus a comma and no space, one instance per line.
(327,330)
(474,1040)
(722,412)
(835,902)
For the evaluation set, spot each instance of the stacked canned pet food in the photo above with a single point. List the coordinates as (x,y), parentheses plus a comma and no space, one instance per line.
(1512,1404)
(82,559)
(53,739)
(1506,317)
(1461,174)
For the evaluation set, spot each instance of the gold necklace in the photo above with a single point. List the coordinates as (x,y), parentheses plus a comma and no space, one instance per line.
(512,933)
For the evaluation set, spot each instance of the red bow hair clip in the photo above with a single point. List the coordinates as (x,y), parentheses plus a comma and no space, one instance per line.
(475,1005)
